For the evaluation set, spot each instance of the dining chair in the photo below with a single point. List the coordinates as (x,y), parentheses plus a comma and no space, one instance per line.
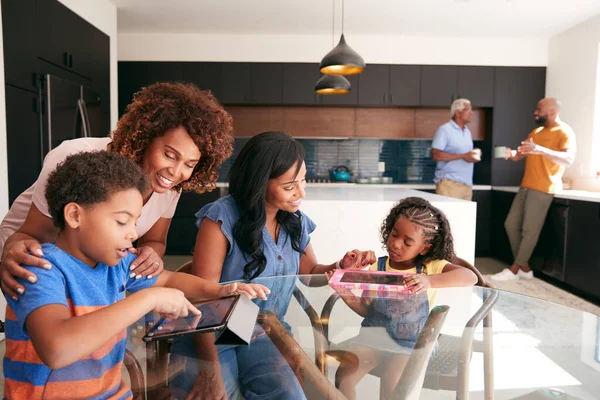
(449,368)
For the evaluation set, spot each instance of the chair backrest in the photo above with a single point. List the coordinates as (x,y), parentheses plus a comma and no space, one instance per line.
(185,268)
(480,279)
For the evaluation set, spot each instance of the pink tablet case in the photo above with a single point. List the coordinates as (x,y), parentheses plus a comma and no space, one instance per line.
(335,282)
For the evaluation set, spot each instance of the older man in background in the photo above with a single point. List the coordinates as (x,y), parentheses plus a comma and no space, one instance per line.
(549,149)
(452,148)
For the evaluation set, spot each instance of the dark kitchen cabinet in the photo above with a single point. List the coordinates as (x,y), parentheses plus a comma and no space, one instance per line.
(182,233)
(549,255)
(251,83)
(64,39)
(483,198)
(516,93)
(135,75)
(18,28)
(299,81)
(477,85)
(500,246)
(439,85)
(205,75)
(23,143)
(442,84)
(389,85)
(583,252)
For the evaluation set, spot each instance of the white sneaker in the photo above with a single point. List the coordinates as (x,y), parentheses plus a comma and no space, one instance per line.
(525,275)
(505,275)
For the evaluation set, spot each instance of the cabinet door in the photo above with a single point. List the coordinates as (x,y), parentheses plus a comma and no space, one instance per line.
(18,30)
(22,140)
(135,75)
(583,253)
(516,93)
(374,86)
(405,85)
(299,83)
(477,85)
(236,83)
(438,85)
(348,99)
(267,83)
(206,75)
(101,75)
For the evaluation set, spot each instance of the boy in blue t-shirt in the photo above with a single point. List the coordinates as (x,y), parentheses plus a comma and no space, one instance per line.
(66,337)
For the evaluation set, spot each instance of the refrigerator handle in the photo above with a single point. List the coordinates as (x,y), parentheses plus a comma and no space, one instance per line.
(85,121)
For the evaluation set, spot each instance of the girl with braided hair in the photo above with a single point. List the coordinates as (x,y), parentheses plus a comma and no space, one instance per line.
(419,242)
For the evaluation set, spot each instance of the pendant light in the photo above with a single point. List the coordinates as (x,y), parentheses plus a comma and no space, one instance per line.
(342,60)
(332,84)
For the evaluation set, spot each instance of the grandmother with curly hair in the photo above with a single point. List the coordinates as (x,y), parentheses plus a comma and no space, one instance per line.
(177,133)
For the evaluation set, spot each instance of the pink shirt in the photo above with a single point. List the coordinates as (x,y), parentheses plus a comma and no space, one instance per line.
(160,205)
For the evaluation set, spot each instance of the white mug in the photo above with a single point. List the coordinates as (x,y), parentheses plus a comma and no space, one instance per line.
(500,151)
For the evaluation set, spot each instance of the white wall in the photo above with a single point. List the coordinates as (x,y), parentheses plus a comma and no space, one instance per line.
(311,48)
(572,77)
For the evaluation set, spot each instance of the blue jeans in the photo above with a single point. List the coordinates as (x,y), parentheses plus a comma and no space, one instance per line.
(256,371)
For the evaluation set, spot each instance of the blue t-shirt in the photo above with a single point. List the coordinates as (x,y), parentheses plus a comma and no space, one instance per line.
(450,138)
(81,289)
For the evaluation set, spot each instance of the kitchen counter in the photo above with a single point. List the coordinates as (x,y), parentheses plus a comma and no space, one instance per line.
(349,217)
(415,186)
(580,195)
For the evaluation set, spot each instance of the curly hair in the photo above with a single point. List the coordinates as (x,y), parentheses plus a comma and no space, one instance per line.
(161,107)
(433,223)
(89,178)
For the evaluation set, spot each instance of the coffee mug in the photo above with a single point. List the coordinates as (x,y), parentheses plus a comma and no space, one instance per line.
(476,154)
(500,151)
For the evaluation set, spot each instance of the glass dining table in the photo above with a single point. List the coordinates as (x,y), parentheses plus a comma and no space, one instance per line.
(311,342)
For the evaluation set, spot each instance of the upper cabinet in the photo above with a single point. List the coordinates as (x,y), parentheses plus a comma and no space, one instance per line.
(442,84)
(299,83)
(251,83)
(389,85)
(18,28)
(205,75)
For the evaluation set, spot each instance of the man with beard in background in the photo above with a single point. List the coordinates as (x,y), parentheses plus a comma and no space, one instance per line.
(549,149)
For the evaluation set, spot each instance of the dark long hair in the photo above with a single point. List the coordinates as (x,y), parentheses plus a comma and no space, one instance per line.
(265,156)
(431,220)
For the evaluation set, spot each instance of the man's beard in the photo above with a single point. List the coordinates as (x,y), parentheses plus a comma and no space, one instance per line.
(541,120)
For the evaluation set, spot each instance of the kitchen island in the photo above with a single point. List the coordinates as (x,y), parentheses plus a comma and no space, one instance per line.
(349,217)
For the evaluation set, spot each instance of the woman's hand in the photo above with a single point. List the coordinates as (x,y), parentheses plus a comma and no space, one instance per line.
(23,252)
(252,290)
(417,283)
(147,264)
(357,259)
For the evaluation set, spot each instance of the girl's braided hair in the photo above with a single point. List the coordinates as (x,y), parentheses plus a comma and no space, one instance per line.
(433,223)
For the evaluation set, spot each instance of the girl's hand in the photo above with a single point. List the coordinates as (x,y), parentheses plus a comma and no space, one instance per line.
(171,303)
(417,283)
(25,252)
(147,264)
(357,259)
(251,290)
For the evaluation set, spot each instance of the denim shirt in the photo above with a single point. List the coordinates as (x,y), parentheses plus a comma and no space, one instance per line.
(282,259)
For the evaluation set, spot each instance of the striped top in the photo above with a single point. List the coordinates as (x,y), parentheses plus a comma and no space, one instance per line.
(83,290)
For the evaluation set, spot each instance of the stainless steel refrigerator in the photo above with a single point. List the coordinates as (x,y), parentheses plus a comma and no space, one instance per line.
(69,111)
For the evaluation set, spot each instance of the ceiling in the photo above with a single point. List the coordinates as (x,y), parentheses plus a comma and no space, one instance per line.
(448,18)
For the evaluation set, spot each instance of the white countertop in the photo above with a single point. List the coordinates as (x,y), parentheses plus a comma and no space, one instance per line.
(415,186)
(389,193)
(581,195)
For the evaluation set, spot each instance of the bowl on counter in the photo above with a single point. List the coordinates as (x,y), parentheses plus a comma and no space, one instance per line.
(387,179)
(374,179)
(362,180)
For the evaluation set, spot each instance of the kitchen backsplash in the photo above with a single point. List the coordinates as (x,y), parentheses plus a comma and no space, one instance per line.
(406,161)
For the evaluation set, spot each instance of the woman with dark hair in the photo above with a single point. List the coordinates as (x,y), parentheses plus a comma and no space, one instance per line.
(256,231)
(176,132)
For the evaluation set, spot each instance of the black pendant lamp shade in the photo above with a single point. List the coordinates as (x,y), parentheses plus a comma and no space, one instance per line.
(332,84)
(342,60)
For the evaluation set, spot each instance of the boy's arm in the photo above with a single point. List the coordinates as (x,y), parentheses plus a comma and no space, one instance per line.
(61,339)
(197,288)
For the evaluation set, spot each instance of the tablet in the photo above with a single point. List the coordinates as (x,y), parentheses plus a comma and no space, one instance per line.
(215,313)
(368,280)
